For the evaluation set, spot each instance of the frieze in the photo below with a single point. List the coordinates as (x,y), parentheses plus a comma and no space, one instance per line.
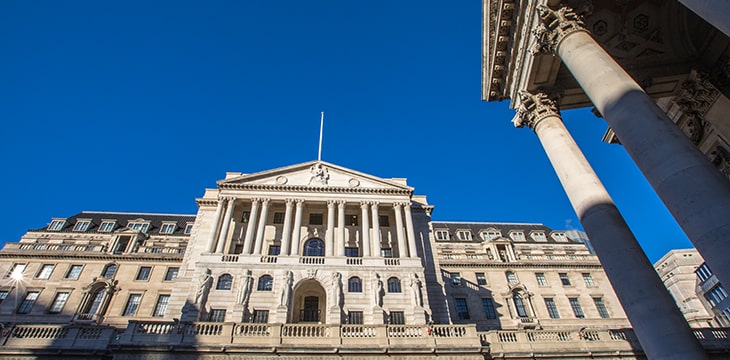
(310,189)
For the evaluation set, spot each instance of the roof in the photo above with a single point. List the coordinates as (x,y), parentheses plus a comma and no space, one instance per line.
(121,220)
(504,228)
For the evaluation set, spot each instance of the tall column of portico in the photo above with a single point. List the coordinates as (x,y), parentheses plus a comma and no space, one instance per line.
(714,12)
(329,235)
(261,227)
(340,228)
(376,239)
(286,232)
(365,233)
(224,227)
(409,228)
(402,250)
(216,225)
(693,190)
(251,227)
(297,231)
(662,330)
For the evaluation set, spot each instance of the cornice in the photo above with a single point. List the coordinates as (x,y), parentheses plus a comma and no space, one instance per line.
(499,21)
(314,189)
(175,258)
(521,265)
(206,202)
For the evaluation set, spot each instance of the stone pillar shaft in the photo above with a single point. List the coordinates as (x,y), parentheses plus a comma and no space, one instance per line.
(297,231)
(365,232)
(261,227)
(251,227)
(402,250)
(341,228)
(329,235)
(216,224)
(376,239)
(223,239)
(412,252)
(286,232)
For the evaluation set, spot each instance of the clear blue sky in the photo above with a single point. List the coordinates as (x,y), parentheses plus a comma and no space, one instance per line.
(139,106)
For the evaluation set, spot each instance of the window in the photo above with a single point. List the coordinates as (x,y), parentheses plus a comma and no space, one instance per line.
(488,306)
(73,272)
(716,295)
(314,247)
(481,279)
(132,304)
(351,220)
(703,272)
(109,271)
(168,228)
(260,316)
(354,317)
(551,308)
(28,302)
(577,309)
(397,318)
(171,273)
(274,250)
(588,280)
(217,315)
(383,220)
(278,218)
(491,234)
(316,219)
(59,301)
(16,271)
(3,295)
(519,305)
(95,304)
(539,236)
(121,245)
(463,235)
(144,273)
(266,282)
(352,252)
(541,280)
(559,236)
(564,279)
(462,309)
(225,282)
(161,306)
(354,285)
(442,235)
(511,277)
(188,229)
(82,225)
(394,285)
(517,236)
(456,279)
(386,252)
(56,224)
(45,271)
(139,226)
(245,216)
(601,307)
(107,226)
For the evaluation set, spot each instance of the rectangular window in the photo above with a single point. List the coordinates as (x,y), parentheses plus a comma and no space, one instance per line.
(517,236)
(217,315)
(577,309)
(560,237)
(481,279)
(564,279)
(56,225)
(488,306)
(316,219)
(139,226)
(703,272)
(82,225)
(352,252)
(59,301)
(351,220)
(16,271)
(168,228)
(511,277)
(3,295)
(462,309)
(601,307)
(539,236)
(132,304)
(383,220)
(442,235)
(463,235)
(28,302)
(121,245)
(261,316)
(109,271)
(188,229)
(386,252)
(73,272)
(491,234)
(716,295)
(354,317)
(171,273)
(397,318)
(106,226)
(144,273)
(551,308)
(588,280)
(45,271)
(161,306)
(455,279)
(541,279)
(278,218)
(274,250)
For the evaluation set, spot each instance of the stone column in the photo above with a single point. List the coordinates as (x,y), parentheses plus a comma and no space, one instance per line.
(261,227)
(402,250)
(341,228)
(225,227)
(297,231)
(412,252)
(693,190)
(329,235)
(714,12)
(651,311)
(251,227)
(365,232)
(376,239)
(216,225)
(286,232)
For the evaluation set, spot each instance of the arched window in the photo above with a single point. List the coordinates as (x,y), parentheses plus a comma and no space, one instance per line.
(109,271)
(314,247)
(519,305)
(266,282)
(96,298)
(354,285)
(225,282)
(393,285)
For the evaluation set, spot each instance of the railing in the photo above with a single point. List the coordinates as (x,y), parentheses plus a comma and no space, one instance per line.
(354,261)
(392,262)
(229,258)
(269,259)
(90,248)
(312,260)
(85,318)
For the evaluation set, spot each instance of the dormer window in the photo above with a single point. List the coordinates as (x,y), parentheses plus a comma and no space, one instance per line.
(142,226)
(107,225)
(442,235)
(168,228)
(517,236)
(538,236)
(82,225)
(188,229)
(559,236)
(56,224)
(491,234)
(463,235)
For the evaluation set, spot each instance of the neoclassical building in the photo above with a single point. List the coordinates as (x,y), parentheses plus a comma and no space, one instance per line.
(312,259)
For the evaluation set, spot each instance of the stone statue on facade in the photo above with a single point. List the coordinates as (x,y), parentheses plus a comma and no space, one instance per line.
(205,281)
(416,290)
(319,174)
(378,290)
(245,292)
(337,288)
(287,282)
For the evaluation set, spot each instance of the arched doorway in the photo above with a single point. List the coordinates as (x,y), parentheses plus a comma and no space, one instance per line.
(310,302)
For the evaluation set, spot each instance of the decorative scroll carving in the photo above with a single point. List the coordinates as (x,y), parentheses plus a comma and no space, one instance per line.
(556,25)
(533,108)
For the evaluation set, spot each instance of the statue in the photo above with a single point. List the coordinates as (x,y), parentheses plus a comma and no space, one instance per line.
(286,288)
(319,174)
(245,292)
(205,280)
(416,290)
(378,290)
(337,288)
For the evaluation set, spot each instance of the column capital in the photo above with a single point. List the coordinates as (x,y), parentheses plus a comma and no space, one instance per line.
(374,203)
(364,204)
(289,202)
(265,200)
(227,197)
(255,200)
(331,203)
(534,107)
(299,201)
(555,26)
(341,203)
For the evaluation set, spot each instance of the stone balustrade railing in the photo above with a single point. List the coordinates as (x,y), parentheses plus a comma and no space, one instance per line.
(88,249)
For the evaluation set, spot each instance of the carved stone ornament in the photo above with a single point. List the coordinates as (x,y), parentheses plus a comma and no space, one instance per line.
(319,174)
(533,108)
(281,180)
(556,25)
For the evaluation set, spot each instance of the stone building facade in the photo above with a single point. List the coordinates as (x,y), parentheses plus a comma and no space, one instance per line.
(677,270)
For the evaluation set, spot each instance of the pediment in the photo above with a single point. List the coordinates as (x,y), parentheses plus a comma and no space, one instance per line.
(315,174)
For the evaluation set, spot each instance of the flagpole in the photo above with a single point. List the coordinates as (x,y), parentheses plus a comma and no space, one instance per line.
(321,125)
